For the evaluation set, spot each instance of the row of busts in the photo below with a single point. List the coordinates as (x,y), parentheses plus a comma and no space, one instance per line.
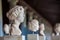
(16,16)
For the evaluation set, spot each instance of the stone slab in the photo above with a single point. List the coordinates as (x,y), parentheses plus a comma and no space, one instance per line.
(32,37)
(41,37)
(55,38)
(14,37)
(1,38)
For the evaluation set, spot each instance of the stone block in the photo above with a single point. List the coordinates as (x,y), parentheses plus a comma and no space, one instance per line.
(32,37)
(1,38)
(41,37)
(14,37)
(55,38)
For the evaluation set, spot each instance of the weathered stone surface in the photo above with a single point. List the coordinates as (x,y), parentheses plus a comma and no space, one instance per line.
(41,38)
(33,37)
(55,38)
(1,38)
(14,38)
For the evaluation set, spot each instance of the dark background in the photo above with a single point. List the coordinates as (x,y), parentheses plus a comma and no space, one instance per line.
(49,9)
(5,9)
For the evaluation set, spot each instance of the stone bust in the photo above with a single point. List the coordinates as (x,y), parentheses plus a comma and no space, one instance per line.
(16,17)
(57,29)
(34,25)
(42,28)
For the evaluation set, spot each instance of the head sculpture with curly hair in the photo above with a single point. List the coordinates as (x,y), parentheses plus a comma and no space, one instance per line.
(16,16)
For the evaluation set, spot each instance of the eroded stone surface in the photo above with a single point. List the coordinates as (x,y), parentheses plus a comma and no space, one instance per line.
(14,37)
(33,37)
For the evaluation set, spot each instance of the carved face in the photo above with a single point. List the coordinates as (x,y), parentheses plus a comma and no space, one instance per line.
(57,27)
(21,15)
(34,25)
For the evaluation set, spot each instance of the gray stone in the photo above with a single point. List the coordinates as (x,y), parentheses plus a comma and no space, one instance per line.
(55,38)
(41,37)
(32,37)
(1,38)
(14,37)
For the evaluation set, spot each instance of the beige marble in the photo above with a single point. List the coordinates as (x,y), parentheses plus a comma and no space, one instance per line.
(34,25)
(14,37)
(32,37)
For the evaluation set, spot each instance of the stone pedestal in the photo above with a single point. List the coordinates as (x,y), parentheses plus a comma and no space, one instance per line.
(1,38)
(14,37)
(41,37)
(32,37)
(55,38)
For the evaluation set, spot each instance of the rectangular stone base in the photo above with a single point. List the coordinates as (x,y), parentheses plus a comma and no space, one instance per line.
(32,37)
(55,38)
(12,38)
(41,38)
